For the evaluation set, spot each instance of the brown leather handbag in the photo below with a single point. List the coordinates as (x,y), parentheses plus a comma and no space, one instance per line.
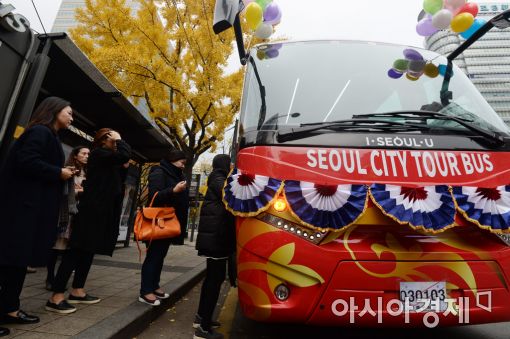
(153,223)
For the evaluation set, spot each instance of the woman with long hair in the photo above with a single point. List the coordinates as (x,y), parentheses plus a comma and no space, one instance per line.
(96,226)
(73,188)
(31,183)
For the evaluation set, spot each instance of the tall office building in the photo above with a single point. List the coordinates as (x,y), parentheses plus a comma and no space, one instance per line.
(486,62)
(65,20)
(66,14)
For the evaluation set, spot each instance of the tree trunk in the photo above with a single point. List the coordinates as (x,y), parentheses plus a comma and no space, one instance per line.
(189,167)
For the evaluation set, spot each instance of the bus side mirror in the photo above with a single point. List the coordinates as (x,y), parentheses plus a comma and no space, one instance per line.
(225,12)
(502,20)
(226,15)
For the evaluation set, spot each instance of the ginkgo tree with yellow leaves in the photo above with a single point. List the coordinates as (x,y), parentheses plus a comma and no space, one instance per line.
(166,54)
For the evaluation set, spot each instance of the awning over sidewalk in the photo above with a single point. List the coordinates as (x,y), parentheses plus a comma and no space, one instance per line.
(72,76)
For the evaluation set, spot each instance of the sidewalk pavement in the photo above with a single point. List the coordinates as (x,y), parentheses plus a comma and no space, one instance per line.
(116,280)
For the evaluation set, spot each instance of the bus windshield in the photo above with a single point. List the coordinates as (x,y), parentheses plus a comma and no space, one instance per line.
(290,84)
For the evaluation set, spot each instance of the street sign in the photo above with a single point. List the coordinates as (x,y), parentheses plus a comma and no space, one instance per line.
(194,186)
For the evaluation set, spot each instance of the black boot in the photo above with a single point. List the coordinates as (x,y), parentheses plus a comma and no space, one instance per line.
(4,331)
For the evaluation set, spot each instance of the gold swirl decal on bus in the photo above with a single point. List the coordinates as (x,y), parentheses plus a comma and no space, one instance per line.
(408,261)
(259,298)
(278,269)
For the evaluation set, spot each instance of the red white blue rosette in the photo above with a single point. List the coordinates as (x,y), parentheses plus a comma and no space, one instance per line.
(326,206)
(430,208)
(486,207)
(247,194)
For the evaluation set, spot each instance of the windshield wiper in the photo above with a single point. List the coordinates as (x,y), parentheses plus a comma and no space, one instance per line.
(423,116)
(305,130)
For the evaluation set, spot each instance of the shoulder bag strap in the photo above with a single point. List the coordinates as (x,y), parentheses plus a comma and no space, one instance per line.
(153,197)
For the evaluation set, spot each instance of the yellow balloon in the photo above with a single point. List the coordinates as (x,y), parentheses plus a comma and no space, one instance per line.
(431,70)
(411,77)
(461,22)
(253,15)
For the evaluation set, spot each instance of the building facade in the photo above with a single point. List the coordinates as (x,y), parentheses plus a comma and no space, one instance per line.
(486,62)
(65,19)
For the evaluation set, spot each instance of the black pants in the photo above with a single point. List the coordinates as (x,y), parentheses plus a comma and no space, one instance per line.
(11,284)
(52,262)
(214,277)
(77,260)
(153,264)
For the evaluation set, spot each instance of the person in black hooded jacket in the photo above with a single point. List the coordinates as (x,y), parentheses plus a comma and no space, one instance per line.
(216,241)
(168,181)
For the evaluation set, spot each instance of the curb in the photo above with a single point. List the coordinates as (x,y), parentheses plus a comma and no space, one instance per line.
(136,317)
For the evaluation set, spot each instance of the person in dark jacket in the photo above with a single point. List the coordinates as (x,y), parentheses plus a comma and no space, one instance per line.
(96,226)
(216,241)
(68,208)
(31,186)
(167,180)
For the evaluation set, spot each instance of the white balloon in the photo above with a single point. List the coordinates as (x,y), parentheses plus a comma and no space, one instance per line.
(442,19)
(264,31)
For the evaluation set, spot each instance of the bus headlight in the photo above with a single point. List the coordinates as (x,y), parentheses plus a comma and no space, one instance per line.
(280,205)
(282,292)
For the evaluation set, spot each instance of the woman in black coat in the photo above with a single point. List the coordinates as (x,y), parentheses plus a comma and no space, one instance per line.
(31,186)
(167,180)
(96,226)
(216,241)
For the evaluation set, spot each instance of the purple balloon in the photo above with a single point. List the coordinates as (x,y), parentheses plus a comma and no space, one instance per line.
(412,54)
(394,74)
(272,14)
(425,28)
(276,46)
(272,53)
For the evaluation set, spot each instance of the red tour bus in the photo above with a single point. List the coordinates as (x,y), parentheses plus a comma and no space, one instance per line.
(367,199)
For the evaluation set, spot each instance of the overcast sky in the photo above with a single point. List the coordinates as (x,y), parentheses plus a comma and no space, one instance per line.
(375,20)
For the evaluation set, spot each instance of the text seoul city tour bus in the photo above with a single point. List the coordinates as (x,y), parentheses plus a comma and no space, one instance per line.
(368,198)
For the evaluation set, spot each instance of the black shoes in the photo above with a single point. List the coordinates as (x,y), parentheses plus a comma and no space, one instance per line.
(203,334)
(198,320)
(4,331)
(87,299)
(22,318)
(62,307)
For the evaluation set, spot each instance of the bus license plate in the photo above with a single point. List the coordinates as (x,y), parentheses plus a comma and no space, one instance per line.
(424,296)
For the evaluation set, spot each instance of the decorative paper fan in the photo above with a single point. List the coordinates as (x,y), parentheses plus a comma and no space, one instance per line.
(326,206)
(487,207)
(429,207)
(249,194)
